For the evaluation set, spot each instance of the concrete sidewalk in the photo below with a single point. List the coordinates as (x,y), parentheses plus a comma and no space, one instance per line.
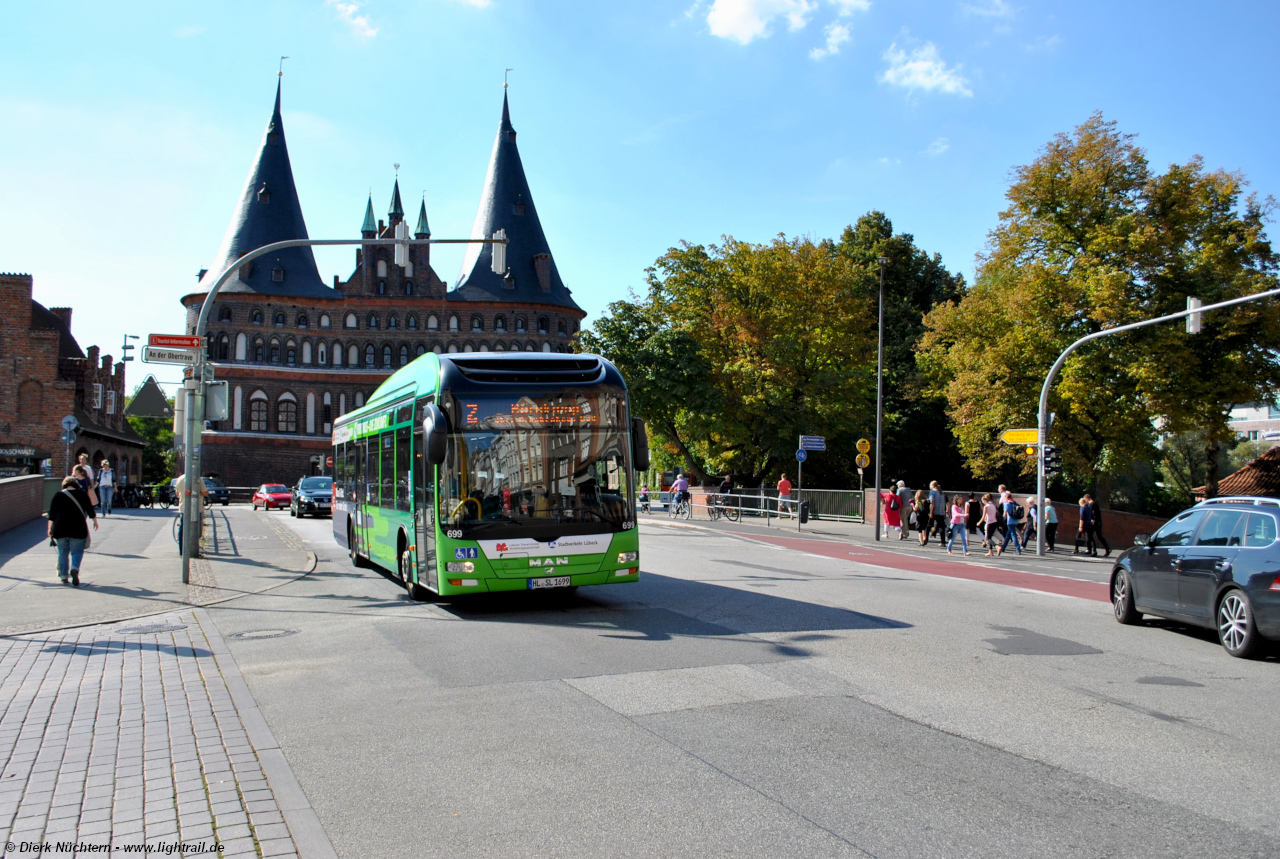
(133,568)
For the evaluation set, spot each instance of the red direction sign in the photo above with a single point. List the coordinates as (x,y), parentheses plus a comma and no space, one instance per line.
(175,341)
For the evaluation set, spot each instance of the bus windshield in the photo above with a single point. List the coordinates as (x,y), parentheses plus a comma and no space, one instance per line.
(537,465)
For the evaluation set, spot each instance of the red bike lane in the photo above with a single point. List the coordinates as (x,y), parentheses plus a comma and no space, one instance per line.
(955,569)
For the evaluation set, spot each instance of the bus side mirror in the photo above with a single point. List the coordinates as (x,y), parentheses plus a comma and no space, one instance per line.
(639,445)
(435,434)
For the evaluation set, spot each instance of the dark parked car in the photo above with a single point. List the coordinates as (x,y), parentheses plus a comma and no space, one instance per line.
(218,492)
(312,495)
(1216,565)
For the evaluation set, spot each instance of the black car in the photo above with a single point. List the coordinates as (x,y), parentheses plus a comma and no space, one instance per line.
(312,495)
(218,492)
(1216,565)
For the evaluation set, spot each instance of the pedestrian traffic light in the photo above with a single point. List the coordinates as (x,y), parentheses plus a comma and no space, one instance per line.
(1052,459)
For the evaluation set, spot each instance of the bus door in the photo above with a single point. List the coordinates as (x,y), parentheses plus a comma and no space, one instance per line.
(424,519)
(366,482)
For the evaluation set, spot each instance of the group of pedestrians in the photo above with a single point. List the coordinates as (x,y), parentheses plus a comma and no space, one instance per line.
(998,517)
(72,508)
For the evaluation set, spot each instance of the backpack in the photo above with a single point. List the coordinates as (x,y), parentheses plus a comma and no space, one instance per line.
(894,504)
(1018,512)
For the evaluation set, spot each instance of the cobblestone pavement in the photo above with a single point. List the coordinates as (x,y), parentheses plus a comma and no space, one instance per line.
(141,733)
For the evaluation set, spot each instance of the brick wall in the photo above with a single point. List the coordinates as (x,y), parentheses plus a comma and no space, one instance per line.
(21,500)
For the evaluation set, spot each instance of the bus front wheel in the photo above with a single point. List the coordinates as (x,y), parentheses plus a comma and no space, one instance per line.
(415,591)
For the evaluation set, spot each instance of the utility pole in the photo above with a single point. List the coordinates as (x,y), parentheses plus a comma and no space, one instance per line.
(882,261)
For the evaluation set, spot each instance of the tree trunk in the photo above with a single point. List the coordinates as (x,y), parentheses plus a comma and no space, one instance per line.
(690,464)
(1104,490)
(1211,451)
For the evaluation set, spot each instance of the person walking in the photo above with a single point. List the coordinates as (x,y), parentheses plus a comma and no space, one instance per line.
(938,506)
(989,522)
(1096,509)
(1012,520)
(923,517)
(892,512)
(106,486)
(784,494)
(905,501)
(69,514)
(83,461)
(1085,533)
(83,475)
(1050,524)
(1002,494)
(1033,522)
(959,525)
(974,513)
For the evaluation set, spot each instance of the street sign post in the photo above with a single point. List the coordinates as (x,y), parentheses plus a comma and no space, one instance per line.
(70,424)
(1020,436)
(167,355)
(68,437)
(862,460)
(801,455)
(175,341)
(813,442)
(864,446)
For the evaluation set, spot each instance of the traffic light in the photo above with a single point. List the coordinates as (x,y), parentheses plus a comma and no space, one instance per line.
(1052,459)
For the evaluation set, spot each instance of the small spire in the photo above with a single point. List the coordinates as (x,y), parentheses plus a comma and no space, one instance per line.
(396,207)
(370,223)
(423,231)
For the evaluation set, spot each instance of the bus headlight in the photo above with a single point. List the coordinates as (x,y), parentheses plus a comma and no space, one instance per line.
(460,567)
(628,557)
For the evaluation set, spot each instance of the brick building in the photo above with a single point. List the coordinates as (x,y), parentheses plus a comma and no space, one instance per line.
(45,376)
(298,352)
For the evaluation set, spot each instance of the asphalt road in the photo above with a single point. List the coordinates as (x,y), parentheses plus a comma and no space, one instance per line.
(753,700)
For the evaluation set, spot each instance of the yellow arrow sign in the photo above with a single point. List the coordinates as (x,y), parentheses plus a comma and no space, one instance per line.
(1020,436)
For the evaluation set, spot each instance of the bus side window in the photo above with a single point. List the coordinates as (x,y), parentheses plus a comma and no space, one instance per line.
(404,468)
(358,473)
(339,469)
(387,459)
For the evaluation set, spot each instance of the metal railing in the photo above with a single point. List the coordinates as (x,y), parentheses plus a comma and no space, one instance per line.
(838,505)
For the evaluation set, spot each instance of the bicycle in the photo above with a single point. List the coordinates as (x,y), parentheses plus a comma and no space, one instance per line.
(682,509)
(722,505)
(644,505)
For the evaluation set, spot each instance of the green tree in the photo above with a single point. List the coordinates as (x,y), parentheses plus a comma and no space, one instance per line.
(157,456)
(1091,239)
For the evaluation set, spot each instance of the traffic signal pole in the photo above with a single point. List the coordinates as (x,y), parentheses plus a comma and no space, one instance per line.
(195,392)
(1042,419)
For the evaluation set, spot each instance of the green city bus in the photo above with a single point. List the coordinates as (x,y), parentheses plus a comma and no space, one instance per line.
(492,472)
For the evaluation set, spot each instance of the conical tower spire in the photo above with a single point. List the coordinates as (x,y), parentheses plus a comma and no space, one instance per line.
(507,204)
(370,225)
(422,231)
(269,211)
(397,210)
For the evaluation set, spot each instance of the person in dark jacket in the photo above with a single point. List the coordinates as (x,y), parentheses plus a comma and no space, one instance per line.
(69,512)
(1096,510)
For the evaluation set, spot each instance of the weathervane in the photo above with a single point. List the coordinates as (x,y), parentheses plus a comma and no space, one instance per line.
(397,166)
(504,78)
(281,72)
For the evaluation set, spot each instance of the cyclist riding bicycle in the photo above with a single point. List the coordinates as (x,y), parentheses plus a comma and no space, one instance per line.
(644,498)
(680,489)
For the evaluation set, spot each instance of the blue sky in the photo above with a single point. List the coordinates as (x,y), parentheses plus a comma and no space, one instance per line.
(129,130)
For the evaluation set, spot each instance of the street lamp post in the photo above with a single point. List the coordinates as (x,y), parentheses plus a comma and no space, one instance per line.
(882,261)
(194,393)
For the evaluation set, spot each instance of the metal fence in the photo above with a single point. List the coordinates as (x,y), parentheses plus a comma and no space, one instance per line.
(838,505)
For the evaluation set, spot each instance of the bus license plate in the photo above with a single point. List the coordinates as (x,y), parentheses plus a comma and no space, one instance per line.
(553,582)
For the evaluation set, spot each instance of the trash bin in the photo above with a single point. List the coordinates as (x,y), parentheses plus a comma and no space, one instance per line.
(804,512)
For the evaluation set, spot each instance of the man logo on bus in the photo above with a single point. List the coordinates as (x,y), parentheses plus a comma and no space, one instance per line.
(548,562)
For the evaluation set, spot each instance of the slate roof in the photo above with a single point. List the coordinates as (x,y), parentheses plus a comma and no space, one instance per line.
(507,204)
(423,230)
(269,211)
(42,317)
(1260,477)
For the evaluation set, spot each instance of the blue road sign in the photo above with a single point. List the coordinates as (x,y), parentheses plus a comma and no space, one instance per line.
(813,442)
(801,455)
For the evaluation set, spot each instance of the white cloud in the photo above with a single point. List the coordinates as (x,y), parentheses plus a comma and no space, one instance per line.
(848,7)
(923,69)
(187,32)
(937,147)
(479,4)
(990,9)
(837,35)
(693,10)
(746,20)
(359,24)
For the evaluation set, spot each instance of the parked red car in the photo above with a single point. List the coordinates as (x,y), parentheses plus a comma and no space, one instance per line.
(271,496)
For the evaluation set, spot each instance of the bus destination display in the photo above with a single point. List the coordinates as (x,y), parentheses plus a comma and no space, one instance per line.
(527,413)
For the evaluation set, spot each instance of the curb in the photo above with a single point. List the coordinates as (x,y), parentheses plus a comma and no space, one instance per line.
(304,825)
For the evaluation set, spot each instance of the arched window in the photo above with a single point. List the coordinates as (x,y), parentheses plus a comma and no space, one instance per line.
(373,320)
(369,356)
(408,287)
(520,325)
(275,351)
(351,321)
(224,314)
(287,414)
(404,354)
(468,348)
(528,347)
(258,351)
(453,347)
(546,347)
(433,324)
(437,350)
(306,352)
(353,356)
(322,354)
(542,325)
(258,411)
(453,323)
(302,320)
(382,268)
(422,350)
(382,287)
(411,322)
(279,320)
(484,347)
(311,413)
(224,348)
(256,317)
(498,347)
(477,323)
(242,347)
(290,353)
(386,355)
(393,322)
(359,399)
(337,354)
(324,320)
(500,323)
(563,330)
